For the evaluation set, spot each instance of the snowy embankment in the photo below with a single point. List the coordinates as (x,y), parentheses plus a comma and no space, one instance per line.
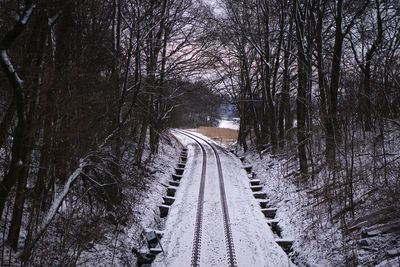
(370,236)
(115,249)
(293,210)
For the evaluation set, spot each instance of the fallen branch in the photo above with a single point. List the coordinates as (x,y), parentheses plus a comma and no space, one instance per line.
(84,162)
(25,252)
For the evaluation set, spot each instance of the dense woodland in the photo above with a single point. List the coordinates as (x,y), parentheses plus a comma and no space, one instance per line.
(326,54)
(322,75)
(320,80)
(88,88)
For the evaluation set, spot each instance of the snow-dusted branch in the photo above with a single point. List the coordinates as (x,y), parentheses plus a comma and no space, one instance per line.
(53,20)
(10,70)
(7,41)
(19,27)
(166,114)
(59,198)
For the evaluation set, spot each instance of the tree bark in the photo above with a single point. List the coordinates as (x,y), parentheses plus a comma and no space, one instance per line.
(320,62)
(284,114)
(301,99)
(331,118)
(33,59)
(7,121)
(366,96)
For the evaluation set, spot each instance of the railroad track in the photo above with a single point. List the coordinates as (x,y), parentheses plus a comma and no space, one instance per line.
(230,249)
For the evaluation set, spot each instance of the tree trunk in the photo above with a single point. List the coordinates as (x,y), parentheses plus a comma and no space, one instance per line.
(7,121)
(15,226)
(142,141)
(331,118)
(17,151)
(34,58)
(366,96)
(301,99)
(320,63)
(284,114)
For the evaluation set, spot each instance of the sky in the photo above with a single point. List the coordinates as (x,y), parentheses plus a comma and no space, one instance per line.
(216,6)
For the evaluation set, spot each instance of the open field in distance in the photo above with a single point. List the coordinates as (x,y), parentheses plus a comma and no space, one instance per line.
(221,134)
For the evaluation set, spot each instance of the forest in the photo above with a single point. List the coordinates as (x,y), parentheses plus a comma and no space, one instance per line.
(318,81)
(89,89)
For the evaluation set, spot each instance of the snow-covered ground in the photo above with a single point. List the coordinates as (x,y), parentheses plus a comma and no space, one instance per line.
(229,123)
(253,239)
(292,210)
(318,241)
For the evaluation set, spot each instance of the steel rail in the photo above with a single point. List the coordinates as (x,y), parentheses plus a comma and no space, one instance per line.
(195,261)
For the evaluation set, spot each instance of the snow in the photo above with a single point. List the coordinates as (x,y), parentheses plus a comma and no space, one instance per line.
(390,263)
(24,19)
(52,20)
(315,243)
(3,54)
(7,62)
(118,242)
(180,224)
(303,214)
(253,239)
(229,124)
(3,159)
(59,198)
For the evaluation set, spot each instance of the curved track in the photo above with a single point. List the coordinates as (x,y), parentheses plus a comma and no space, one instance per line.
(199,215)
(230,249)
